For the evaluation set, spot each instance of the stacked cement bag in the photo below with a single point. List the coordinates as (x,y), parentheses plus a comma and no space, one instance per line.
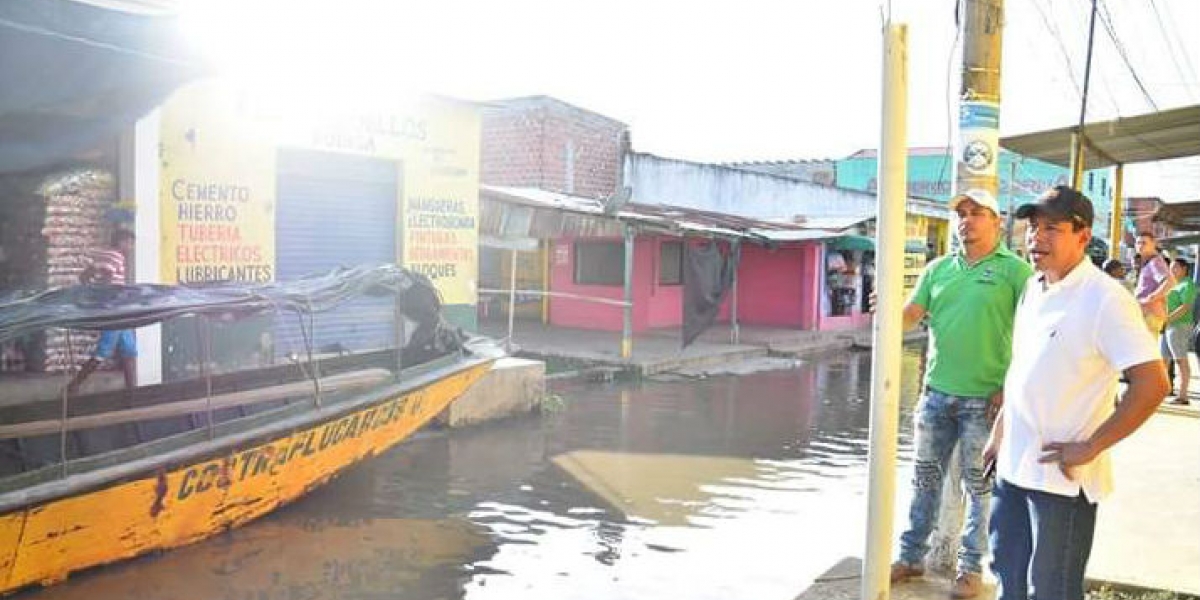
(76,204)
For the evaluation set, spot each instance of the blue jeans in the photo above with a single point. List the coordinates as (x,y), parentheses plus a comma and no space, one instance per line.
(1040,543)
(941,422)
(114,340)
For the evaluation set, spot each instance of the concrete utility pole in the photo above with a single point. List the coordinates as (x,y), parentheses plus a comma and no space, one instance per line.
(888,324)
(977,156)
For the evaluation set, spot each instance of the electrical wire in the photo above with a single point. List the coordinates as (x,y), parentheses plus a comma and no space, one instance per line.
(949,153)
(1056,35)
(1106,20)
(1171,50)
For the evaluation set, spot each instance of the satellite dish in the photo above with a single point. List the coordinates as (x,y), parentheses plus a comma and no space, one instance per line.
(614,203)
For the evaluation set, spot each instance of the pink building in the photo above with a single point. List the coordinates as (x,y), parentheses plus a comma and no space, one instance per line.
(784,278)
(546,165)
(776,287)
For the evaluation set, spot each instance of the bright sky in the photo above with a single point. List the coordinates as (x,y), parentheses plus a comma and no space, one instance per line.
(752,80)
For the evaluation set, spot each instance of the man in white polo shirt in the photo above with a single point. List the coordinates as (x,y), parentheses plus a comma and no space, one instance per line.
(1076,329)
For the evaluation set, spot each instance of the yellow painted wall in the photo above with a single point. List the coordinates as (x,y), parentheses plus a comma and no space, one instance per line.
(217,195)
(217,190)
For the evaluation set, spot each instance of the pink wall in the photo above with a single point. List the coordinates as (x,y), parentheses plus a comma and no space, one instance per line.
(772,286)
(851,321)
(775,287)
(568,312)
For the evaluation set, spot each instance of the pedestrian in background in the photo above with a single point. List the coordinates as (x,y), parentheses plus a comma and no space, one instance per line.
(1153,282)
(969,297)
(1180,322)
(107,265)
(1115,269)
(1075,330)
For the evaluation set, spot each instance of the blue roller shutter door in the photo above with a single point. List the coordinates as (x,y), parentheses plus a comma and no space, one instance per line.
(336,210)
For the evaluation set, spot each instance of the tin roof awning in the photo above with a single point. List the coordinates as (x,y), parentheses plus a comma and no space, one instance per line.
(665,218)
(1162,135)
(1183,216)
(77,73)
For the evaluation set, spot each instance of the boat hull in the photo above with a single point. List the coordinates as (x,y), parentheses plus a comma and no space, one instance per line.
(183,503)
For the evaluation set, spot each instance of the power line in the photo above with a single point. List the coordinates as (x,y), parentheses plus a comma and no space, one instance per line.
(958,25)
(1106,20)
(1171,49)
(1056,35)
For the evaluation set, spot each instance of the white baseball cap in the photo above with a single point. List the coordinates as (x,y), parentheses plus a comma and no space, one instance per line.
(981,197)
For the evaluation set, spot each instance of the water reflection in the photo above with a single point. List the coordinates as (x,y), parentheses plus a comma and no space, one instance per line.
(730,487)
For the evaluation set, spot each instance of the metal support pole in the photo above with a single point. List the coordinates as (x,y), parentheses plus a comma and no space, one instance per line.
(512,297)
(1078,158)
(1011,218)
(1116,233)
(888,323)
(734,329)
(1078,154)
(401,334)
(62,434)
(206,368)
(547,248)
(627,321)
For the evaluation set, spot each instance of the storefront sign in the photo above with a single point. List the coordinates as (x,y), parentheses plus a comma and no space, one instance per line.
(217,193)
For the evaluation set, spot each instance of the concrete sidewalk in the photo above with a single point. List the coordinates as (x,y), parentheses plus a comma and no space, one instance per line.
(1147,532)
(660,350)
(654,352)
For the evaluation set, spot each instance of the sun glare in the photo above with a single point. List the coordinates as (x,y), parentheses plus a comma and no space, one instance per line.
(326,55)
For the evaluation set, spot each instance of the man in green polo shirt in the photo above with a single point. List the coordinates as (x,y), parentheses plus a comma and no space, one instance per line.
(969,297)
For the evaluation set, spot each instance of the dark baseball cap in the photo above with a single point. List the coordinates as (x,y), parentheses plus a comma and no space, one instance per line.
(1062,202)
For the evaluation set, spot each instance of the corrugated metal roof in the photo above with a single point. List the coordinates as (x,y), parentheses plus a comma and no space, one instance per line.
(671,219)
(1180,215)
(1155,136)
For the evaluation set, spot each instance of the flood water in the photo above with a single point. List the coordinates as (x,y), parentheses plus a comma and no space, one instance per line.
(727,487)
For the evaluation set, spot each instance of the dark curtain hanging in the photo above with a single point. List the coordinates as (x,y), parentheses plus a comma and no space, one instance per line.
(707,277)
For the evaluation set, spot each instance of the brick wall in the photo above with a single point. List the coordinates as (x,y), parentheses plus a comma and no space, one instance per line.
(546,143)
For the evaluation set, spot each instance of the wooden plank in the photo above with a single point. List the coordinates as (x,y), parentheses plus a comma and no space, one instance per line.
(150,395)
(335,383)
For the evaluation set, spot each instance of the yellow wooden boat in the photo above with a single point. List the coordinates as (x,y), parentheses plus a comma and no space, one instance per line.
(176,463)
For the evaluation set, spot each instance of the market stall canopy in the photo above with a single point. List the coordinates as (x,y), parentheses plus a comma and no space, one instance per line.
(852,242)
(1162,135)
(73,74)
(1182,216)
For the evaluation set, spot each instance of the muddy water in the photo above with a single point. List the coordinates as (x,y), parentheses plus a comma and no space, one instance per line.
(726,487)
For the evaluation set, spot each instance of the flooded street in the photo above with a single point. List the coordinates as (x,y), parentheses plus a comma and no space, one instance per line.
(727,487)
